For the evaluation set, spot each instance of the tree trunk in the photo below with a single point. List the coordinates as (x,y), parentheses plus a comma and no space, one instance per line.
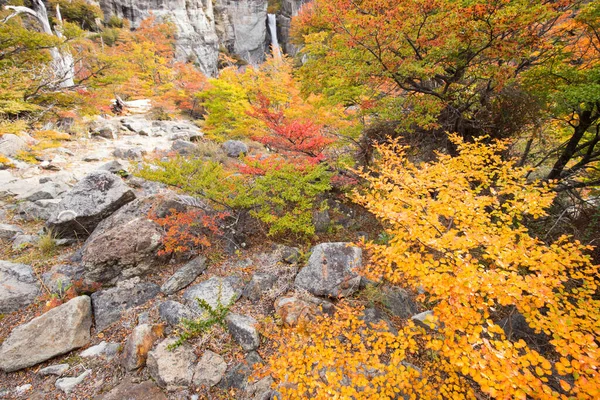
(585,121)
(62,63)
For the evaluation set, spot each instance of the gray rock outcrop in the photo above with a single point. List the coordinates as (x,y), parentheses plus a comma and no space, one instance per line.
(331,270)
(135,238)
(109,304)
(196,34)
(18,286)
(56,332)
(91,200)
(204,26)
(124,251)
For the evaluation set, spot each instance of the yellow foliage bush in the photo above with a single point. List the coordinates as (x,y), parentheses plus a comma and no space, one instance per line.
(457,235)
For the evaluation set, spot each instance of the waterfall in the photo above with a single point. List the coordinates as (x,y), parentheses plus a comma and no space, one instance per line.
(272,19)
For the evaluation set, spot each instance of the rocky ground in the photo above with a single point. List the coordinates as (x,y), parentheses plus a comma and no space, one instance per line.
(91,314)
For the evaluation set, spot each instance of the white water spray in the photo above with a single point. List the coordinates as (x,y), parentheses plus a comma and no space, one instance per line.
(272,19)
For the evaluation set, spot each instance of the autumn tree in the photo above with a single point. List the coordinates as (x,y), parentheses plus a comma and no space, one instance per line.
(430,66)
(62,64)
(569,86)
(457,236)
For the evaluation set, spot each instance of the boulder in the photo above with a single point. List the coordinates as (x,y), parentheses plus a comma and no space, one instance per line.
(331,270)
(138,345)
(171,368)
(292,310)
(102,349)
(38,210)
(7,232)
(516,328)
(46,191)
(290,255)
(214,291)
(261,390)
(56,332)
(109,304)
(114,167)
(259,284)
(129,390)
(210,370)
(68,384)
(11,145)
(172,312)
(91,200)
(237,376)
(321,220)
(183,147)
(106,131)
(56,370)
(18,286)
(184,275)
(399,302)
(21,242)
(235,148)
(124,251)
(243,330)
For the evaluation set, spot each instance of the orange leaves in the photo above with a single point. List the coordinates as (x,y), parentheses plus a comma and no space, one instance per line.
(187,231)
(458,237)
(342,357)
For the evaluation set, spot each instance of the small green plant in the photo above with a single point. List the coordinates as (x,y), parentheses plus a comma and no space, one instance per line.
(212,316)
(47,243)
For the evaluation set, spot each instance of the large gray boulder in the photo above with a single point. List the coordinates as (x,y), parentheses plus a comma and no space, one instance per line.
(110,304)
(171,368)
(131,239)
(56,332)
(331,270)
(91,200)
(184,275)
(18,286)
(123,252)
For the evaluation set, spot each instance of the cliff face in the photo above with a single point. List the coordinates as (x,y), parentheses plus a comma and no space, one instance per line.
(206,26)
(289,9)
(203,26)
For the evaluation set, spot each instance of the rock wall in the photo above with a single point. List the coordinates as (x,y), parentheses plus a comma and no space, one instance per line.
(242,28)
(204,26)
(289,9)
